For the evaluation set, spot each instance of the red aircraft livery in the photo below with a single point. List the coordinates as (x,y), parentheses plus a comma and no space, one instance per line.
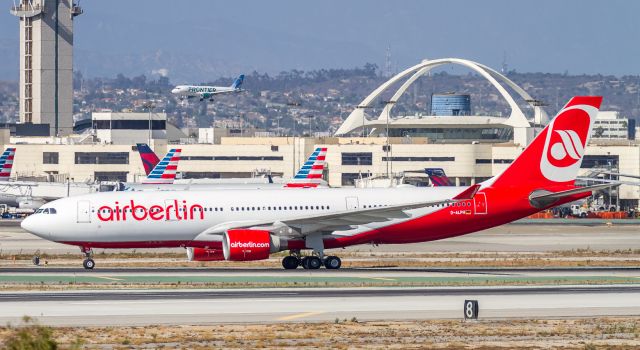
(251,224)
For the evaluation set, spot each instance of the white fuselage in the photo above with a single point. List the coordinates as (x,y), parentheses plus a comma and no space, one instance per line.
(202,91)
(152,216)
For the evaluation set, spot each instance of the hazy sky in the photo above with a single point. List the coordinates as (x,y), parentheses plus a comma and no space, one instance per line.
(228,37)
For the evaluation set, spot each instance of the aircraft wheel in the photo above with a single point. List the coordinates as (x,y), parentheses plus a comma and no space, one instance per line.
(305,262)
(313,262)
(332,263)
(36,260)
(88,264)
(290,262)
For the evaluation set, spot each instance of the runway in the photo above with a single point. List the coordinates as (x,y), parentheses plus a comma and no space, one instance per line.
(506,238)
(101,308)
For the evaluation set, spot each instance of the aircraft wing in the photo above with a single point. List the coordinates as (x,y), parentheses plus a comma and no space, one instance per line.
(346,219)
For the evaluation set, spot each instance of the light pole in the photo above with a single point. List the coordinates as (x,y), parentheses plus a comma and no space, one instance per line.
(69,179)
(310,118)
(363,118)
(388,147)
(149,106)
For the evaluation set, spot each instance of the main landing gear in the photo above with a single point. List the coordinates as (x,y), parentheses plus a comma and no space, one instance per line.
(311,262)
(88,262)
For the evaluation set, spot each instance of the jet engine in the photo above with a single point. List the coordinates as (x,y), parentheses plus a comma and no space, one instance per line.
(245,245)
(203,254)
(29,203)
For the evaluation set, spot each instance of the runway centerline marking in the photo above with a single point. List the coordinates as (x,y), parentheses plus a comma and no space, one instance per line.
(109,278)
(381,278)
(301,315)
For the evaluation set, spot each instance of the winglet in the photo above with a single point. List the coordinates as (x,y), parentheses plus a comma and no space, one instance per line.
(468,193)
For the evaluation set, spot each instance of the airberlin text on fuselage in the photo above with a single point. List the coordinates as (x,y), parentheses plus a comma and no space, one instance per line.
(137,212)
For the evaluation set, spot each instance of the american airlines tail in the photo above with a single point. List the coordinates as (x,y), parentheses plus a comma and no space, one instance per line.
(238,82)
(6,163)
(310,175)
(165,171)
(148,157)
(553,159)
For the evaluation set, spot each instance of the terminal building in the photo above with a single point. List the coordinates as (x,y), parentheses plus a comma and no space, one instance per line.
(468,147)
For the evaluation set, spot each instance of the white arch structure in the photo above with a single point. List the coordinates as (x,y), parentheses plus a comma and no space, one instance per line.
(516,119)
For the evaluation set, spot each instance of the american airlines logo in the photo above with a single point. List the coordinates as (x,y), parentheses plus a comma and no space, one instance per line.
(565,143)
(172,210)
(249,244)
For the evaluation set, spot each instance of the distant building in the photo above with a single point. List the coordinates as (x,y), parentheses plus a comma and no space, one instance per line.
(450,104)
(46,63)
(610,125)
(129,128)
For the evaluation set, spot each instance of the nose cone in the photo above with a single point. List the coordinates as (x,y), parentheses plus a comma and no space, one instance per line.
(34,225)
(175,90)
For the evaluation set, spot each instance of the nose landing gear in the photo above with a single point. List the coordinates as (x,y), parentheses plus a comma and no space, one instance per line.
(88,262)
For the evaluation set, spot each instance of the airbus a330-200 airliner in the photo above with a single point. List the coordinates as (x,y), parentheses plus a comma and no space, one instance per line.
(250,224)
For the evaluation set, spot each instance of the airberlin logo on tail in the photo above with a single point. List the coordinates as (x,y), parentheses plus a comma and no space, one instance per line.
(565,142)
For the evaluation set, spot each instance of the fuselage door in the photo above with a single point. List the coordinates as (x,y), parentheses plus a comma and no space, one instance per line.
(171,209)
(352,203)
(480,200)
(84,211)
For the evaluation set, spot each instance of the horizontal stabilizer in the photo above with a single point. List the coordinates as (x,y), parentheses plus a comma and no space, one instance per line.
(468,193)
(540,199)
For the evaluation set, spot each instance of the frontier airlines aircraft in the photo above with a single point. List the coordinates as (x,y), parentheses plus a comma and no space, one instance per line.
(207,92)
(251,224)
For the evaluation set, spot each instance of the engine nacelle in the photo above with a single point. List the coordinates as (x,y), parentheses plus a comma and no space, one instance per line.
(29,203)
(202,254)
(245,245)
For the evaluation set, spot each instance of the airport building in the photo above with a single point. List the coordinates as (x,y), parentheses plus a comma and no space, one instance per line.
(46,63)
(469,148)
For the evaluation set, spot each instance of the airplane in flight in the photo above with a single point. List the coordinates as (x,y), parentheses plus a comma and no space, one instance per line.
(251,224)
(207,92)
(161,175)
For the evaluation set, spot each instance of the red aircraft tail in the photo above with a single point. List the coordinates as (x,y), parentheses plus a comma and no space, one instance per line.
(554,157)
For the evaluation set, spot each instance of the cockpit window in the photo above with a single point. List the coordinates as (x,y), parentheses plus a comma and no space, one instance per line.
(52,211)
(46,211)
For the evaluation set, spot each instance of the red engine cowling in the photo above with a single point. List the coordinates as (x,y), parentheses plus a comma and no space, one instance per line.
(202,254)
(245,245)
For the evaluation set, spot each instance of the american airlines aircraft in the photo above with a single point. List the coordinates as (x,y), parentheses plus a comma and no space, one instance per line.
(207,92)
(27,196)
(162,176)
(250,224)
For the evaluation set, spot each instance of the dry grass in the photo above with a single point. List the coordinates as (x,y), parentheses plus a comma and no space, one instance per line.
(587,333)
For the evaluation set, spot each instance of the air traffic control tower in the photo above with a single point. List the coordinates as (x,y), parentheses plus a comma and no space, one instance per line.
(46,63)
